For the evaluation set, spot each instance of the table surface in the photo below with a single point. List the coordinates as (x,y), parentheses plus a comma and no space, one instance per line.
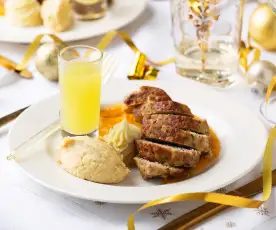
(28,206)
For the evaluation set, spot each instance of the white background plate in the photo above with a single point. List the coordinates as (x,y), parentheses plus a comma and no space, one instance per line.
(120,14)
(242,135)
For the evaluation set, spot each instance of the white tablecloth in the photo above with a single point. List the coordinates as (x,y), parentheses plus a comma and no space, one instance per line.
(24,205)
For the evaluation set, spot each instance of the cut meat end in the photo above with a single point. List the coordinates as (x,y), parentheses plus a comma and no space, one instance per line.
(176,136)
(150,169)
(167,155)
(143,95)
(177,121)
(161,107)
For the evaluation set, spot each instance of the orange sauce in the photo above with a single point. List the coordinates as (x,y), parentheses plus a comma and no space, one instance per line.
(204,164)
(110,116)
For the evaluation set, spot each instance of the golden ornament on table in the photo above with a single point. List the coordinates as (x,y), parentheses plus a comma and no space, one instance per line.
(259,75)
(262,27)
(46,60)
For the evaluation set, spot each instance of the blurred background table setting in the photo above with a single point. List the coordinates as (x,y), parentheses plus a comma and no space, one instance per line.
(215,49)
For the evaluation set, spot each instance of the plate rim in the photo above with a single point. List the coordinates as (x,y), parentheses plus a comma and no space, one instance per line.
(72,39)
(137,200)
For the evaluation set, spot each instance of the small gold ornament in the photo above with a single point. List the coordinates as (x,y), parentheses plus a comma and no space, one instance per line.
(262,27)
(46,60)
(259,75)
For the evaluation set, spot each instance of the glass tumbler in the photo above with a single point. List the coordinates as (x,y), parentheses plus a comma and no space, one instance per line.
(80,89)
(268,111)
(206,36)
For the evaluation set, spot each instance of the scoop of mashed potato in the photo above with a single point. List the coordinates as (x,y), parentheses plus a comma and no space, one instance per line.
(122,137)
(92,160)
(57,15)
(23,12)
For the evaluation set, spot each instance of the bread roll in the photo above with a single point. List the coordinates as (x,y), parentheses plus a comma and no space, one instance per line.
(57,15)
(23,12)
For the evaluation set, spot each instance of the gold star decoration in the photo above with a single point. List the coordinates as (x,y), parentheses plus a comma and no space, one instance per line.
(262,211)
(230,224)
(99,203)
(162,213)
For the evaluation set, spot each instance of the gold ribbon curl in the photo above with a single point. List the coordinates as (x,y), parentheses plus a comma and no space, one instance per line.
(10,65)
(2,9)
(106,40)
(245,52)
(270,89)
(143,68)
(223,199)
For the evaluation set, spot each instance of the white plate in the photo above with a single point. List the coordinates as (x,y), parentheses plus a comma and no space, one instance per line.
(242,135)
(120,14)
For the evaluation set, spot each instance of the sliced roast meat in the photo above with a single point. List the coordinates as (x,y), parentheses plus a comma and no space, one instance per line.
(143,95)
(150,169)
(176,136)
(161,107)
(167,155)
(177,121)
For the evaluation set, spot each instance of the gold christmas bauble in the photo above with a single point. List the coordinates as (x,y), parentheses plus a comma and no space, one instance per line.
(46,60)
(259,75)
(262,27)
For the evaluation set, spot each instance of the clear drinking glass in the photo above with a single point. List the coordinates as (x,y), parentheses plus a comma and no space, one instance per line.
(272,4)
(89,9)
(206,36)
(80,89)
(268,111)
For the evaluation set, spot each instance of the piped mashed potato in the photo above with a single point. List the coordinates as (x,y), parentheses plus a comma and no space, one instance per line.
(122,136)
(92,160)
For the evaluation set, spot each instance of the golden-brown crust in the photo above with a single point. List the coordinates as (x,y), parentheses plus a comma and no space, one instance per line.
(143,95)
(167,155)
(183,138)
(161,107)
(177,121)
(150,169)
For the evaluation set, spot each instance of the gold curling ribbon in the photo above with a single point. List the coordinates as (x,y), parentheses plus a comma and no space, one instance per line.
(143,67)
(245,52)
(2,9)
(223,199)
(270,88)
(10,65)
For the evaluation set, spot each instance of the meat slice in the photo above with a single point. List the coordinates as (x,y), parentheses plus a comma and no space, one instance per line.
(143,95)
(162,107)
(177,121)
(150,169)
(164,133)
(167,155)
